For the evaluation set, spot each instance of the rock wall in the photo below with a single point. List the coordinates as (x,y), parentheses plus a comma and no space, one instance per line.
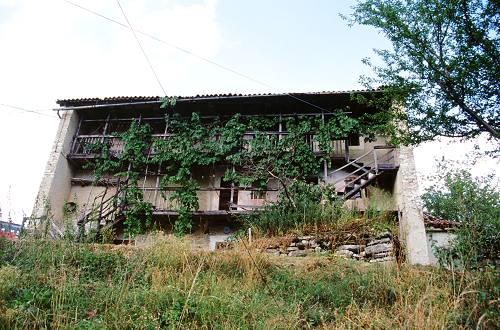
(376,249)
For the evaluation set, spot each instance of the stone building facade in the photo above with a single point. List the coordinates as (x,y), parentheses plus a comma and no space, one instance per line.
(357,168)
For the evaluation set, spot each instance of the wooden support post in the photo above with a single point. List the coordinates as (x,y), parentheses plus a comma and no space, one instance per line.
(232,192)
(105,129)
(280,129)
(157,185)
(72,150)
(346,144)
(325,170)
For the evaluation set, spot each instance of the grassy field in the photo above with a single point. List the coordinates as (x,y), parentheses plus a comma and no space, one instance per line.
(62,285)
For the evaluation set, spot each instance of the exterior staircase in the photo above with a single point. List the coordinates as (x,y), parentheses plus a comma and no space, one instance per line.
(105,212)
(350,179)
(359,173)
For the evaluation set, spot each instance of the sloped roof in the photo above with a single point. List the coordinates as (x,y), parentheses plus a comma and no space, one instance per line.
(133,99)
(433,221)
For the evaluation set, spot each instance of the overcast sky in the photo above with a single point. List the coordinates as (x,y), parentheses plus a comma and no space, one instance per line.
(52,50)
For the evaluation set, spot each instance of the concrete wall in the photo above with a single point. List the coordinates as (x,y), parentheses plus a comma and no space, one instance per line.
(409,204)
(56,181)
(84,196)
(246,201)
(437,238)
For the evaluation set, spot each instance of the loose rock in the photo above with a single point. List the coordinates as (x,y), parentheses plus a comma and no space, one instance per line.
(353,248)
(297,253)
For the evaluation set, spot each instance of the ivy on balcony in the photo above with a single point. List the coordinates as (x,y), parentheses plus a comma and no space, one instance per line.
(251,148)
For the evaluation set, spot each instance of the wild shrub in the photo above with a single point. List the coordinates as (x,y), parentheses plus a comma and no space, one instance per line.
(305,206)
(475,204)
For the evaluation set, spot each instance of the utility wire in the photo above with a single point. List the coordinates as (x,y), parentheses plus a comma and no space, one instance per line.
(142,48)
(197,56)
(26,110)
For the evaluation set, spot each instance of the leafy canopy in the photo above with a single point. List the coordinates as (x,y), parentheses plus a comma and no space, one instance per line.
(444,65)
(475,203)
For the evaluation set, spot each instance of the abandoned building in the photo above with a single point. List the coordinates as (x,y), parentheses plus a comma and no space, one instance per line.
(354,167)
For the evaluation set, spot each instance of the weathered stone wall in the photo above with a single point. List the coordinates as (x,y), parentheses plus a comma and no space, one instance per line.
(377,249)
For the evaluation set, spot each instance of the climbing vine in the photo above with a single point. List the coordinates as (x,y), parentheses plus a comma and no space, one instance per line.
(250,148)
(127,166)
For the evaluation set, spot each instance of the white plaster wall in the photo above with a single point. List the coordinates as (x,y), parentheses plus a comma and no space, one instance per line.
(56,184)
(437,238)
(84,196)
(409,204)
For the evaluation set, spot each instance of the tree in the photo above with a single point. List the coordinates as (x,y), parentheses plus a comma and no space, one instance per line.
(444,66)
(475,203)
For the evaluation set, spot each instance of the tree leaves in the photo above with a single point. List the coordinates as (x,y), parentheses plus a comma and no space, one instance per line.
(444,65)
(250,148)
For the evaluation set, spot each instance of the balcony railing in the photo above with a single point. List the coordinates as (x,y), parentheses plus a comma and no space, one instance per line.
(81,145)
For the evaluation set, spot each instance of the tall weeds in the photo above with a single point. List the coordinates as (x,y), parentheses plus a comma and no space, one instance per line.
(63,285)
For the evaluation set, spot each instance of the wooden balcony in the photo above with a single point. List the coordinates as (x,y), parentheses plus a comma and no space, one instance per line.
(81,145)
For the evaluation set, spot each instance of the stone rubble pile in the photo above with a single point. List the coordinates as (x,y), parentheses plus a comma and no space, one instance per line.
(377,249)
(301,246)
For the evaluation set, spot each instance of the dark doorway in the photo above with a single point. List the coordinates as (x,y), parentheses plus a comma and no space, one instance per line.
(225,196)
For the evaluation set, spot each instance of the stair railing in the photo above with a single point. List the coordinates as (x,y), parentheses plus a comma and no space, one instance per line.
(375,160)
(105,208)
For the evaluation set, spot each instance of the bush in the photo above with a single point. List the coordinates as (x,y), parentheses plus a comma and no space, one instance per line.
(475,203)
(306,206)
(9,278)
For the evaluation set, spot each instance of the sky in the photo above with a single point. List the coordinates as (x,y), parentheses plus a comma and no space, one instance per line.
(54,50)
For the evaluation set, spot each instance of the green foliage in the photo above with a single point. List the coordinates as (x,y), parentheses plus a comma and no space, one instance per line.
(128,166)
(195,143)
(250,158)
(304,210)
(443,68)
(64,285)
(9,279)
(475,203)
(103,162)
(168,102)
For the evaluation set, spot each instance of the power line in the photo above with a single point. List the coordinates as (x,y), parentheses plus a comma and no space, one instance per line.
(26,110)
(142,48)
(197,56)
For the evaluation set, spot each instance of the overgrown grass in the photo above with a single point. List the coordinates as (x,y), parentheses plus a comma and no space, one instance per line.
(61,285)
(314,208)
(312,218)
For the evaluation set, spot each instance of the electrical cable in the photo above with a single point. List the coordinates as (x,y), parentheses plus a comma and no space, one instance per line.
(198,56)
(142,48)
(26,110)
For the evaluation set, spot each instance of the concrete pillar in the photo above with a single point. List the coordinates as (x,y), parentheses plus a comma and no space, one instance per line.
(412,228)
(56,181)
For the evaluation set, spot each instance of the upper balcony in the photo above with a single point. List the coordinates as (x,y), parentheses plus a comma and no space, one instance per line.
(81,144)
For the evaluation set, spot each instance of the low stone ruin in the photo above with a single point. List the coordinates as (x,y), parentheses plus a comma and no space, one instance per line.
(376,249)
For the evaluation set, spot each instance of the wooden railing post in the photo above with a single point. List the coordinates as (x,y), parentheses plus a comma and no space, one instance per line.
(72,150)
(346,146)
